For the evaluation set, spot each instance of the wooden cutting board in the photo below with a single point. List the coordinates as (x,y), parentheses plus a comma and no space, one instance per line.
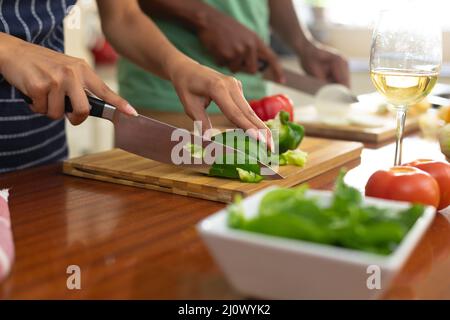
(314,127)
(118,166)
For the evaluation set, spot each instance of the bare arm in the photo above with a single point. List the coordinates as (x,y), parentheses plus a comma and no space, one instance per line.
(232,44)
(284,21)
(136,37)
(192,13)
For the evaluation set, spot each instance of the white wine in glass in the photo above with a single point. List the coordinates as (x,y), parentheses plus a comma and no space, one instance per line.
(405,60)
(402,88)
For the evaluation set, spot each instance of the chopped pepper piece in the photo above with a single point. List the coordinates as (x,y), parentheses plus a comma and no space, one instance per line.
(248,176)
(293,157)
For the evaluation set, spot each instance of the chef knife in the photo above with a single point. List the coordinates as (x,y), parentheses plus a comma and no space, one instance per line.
(311,85)
(154,140)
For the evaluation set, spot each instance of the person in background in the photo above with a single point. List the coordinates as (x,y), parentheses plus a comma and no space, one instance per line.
(232,37)
(32,62)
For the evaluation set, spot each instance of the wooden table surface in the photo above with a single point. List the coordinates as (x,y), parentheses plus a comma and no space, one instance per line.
(142,244)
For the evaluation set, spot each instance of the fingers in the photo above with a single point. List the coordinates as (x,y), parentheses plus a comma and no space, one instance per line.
(340,71)
(317,68)
(246,59)
(195,108)
(56,104)
(80,103)
(264,133)
(38,93)
(101,90)
(251,60)
(228,97)
(327,65)
(269,56)
(202,121)
(236,64)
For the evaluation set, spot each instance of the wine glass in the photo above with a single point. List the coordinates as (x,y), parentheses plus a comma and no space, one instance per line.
(405,60)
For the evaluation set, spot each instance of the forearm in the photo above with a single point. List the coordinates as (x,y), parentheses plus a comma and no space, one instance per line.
(192,13)
(137,38)
(284,21)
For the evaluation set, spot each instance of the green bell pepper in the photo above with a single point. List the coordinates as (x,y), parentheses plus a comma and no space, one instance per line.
(290,134)
(229,163)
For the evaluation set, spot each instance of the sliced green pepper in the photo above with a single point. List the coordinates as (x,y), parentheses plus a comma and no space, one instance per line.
(248,176)
(229,163)
(290,137)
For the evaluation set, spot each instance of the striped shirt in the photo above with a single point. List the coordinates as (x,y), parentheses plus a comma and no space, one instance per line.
(28,139)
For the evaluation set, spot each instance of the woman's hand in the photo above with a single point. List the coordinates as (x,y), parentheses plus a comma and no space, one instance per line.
(198,85)
(47,77)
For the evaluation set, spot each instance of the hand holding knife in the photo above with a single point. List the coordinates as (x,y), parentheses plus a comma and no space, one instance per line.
(153,139)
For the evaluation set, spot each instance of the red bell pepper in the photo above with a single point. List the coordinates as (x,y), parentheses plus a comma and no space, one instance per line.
(267,108)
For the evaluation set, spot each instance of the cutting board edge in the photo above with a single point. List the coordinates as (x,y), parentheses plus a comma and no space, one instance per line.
(82,170)
(323,131)
(98,167)
(225,197)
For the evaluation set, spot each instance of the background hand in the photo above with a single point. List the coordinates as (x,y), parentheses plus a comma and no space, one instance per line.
(325,64)
(235,46)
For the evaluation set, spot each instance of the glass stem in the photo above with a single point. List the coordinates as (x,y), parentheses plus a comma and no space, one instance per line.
(401,118)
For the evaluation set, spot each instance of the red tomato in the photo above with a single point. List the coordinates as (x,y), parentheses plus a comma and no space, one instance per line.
(440,171)
(404,184)
(268,107)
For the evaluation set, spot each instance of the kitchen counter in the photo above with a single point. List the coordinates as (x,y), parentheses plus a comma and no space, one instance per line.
(142,244)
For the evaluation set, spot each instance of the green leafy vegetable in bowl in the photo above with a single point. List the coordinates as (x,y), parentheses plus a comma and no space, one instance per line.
(345,222)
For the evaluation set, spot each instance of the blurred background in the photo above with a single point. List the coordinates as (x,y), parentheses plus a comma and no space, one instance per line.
(343,24)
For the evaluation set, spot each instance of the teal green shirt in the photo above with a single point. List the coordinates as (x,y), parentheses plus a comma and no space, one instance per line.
(142,89)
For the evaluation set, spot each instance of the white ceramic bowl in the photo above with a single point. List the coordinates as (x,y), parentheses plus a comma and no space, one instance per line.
(263,266)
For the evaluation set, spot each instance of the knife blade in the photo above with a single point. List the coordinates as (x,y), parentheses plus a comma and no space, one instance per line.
(311,85)
(302,82)
(159,141)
